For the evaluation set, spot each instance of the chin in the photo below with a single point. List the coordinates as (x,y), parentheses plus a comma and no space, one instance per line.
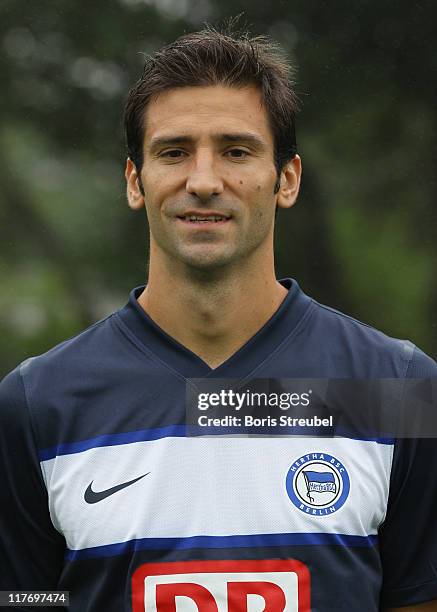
(210,262)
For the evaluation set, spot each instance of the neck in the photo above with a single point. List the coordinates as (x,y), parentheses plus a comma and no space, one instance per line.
(212,313)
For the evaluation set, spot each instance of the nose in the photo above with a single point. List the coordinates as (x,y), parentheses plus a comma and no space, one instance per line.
(203,180)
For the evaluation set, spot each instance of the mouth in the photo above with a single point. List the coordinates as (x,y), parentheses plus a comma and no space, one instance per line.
(204,218)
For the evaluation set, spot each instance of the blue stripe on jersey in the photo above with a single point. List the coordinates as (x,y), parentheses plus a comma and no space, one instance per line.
(235,541)
(145,435)
(343,432)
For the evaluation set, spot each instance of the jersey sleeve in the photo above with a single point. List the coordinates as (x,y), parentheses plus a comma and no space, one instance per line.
(408,537)
(31,550)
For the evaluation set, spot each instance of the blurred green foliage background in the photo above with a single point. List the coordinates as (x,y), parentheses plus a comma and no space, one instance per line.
(362,237)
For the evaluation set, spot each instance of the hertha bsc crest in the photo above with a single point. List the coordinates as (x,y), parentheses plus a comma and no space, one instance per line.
(318,484)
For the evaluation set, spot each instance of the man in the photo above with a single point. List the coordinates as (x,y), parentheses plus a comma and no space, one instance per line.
(104,494)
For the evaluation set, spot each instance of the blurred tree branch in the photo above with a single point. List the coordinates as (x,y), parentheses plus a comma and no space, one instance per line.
(20,212)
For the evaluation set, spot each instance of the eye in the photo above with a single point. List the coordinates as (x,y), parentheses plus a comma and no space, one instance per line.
(173,153)
(237,153)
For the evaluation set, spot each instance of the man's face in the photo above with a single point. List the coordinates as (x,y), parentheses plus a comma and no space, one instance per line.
(209,176)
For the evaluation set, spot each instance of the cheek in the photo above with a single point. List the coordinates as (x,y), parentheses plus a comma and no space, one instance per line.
(262,204)
(154,193)
(162,184)
(261,196)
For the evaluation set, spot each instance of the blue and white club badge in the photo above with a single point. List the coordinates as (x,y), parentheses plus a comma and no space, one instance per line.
(318,484)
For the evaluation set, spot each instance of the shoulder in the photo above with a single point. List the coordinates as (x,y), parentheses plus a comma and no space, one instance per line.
(50,388)
(76,353)
(77,358)
(369,352)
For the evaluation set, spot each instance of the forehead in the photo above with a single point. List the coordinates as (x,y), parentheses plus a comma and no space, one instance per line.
(199,111)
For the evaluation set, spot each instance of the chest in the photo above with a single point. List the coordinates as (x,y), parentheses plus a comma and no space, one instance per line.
(177,488)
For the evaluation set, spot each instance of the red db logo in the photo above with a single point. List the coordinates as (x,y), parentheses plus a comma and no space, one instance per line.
(222,586)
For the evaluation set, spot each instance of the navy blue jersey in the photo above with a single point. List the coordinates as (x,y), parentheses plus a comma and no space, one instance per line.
(103,494)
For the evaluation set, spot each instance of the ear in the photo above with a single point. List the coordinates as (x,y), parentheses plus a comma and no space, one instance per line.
(135,196)
(289,183)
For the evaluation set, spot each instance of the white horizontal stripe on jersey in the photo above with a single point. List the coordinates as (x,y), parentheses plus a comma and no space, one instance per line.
(215,486)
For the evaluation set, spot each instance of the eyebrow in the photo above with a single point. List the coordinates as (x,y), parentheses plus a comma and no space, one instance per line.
(243,137)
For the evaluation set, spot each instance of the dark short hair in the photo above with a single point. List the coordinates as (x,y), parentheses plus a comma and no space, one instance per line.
(213,57)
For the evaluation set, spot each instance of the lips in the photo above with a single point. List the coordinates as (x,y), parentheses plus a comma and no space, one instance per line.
(203,217)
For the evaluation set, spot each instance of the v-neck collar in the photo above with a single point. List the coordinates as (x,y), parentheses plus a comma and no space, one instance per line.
(244,361)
